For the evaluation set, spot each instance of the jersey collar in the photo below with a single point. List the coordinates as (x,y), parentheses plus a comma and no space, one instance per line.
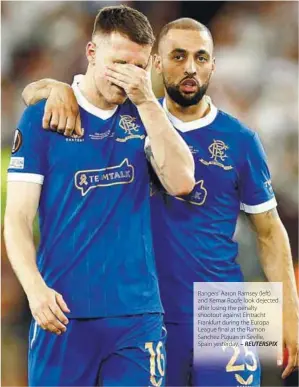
(192,125)
(86,105)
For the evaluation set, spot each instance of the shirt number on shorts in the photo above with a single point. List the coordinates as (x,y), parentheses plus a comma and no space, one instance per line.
(156,358)
(231,367)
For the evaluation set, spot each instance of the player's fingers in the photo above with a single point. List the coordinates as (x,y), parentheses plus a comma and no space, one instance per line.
(149,64)
(125,70)
(46,119)
(70,124)
(116,82)
(61,303)
(54,120)
(58,313)
(52,320)
(120,77)
(53,329)
(61,127)
(40,319)
(290,366)
(78,129)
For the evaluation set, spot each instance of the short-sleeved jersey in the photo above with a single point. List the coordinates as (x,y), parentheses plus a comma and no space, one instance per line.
(193,235)
(94,211)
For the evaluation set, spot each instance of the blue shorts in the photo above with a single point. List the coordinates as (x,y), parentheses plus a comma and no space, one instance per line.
(116,351)
(233,367)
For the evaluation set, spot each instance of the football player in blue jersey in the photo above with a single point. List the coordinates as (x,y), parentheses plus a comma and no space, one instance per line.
(197,232)
(193,235)
(92,286)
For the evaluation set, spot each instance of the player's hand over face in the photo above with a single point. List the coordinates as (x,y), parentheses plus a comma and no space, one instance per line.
(134,80)
(62,111)
(292,345)
(48,308)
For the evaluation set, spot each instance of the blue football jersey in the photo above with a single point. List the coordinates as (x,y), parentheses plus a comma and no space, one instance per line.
(96,242)
(193,235)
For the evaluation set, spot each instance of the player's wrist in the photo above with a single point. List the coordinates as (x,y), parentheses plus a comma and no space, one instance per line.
(147,102)
(34,286)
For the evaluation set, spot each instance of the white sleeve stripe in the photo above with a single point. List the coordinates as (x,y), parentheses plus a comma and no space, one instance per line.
(28,177)
(259,208)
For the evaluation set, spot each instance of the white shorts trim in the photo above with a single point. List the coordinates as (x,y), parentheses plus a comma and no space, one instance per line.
(34,335)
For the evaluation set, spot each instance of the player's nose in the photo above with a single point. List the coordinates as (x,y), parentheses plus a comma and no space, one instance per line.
(190,66)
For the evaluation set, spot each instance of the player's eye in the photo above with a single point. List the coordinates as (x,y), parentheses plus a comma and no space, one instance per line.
(120,62)
(202,59)
(178,57)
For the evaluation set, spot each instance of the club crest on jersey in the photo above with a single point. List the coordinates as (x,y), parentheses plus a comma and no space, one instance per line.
(104,177)
(218,153)
(131,129)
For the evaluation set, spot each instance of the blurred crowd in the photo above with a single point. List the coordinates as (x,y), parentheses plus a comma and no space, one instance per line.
(256,49)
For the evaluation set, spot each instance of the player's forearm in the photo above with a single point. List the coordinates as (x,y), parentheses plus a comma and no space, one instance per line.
(173,160)
(38,90)
(21,252)
(276,260)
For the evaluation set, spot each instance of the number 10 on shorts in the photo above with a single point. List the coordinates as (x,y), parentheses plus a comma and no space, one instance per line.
(157,362)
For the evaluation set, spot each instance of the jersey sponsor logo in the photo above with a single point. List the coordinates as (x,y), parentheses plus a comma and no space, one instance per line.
(16,163)
(101,136)
(131,129)
(75,138)
(17,141)
(104,177)
(218,152)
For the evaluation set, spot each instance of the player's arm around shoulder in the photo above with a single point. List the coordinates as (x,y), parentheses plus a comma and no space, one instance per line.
(61,110)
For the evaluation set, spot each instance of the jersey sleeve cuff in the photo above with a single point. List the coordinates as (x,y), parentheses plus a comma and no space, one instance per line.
(27,177)
(259,208)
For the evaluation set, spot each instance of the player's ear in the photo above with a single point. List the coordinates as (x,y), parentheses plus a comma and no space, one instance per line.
(91,52)
(158,63)
(214,65)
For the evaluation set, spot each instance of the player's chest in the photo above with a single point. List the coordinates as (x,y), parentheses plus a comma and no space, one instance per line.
(216,160)
(102,147)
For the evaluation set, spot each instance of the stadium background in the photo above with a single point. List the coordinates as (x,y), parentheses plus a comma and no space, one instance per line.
(256,80)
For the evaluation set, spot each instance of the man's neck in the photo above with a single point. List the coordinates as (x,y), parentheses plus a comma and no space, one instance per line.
(190,113)
(90,92)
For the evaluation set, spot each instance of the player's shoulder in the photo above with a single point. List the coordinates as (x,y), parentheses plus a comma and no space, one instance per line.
(33,113)
(232,124)
(37,108)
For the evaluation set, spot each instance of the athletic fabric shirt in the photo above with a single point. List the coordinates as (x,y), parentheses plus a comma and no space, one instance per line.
(94,211)
(193,235)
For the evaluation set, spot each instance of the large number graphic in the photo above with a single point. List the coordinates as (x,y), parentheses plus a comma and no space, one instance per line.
(231,367)
(157,358)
